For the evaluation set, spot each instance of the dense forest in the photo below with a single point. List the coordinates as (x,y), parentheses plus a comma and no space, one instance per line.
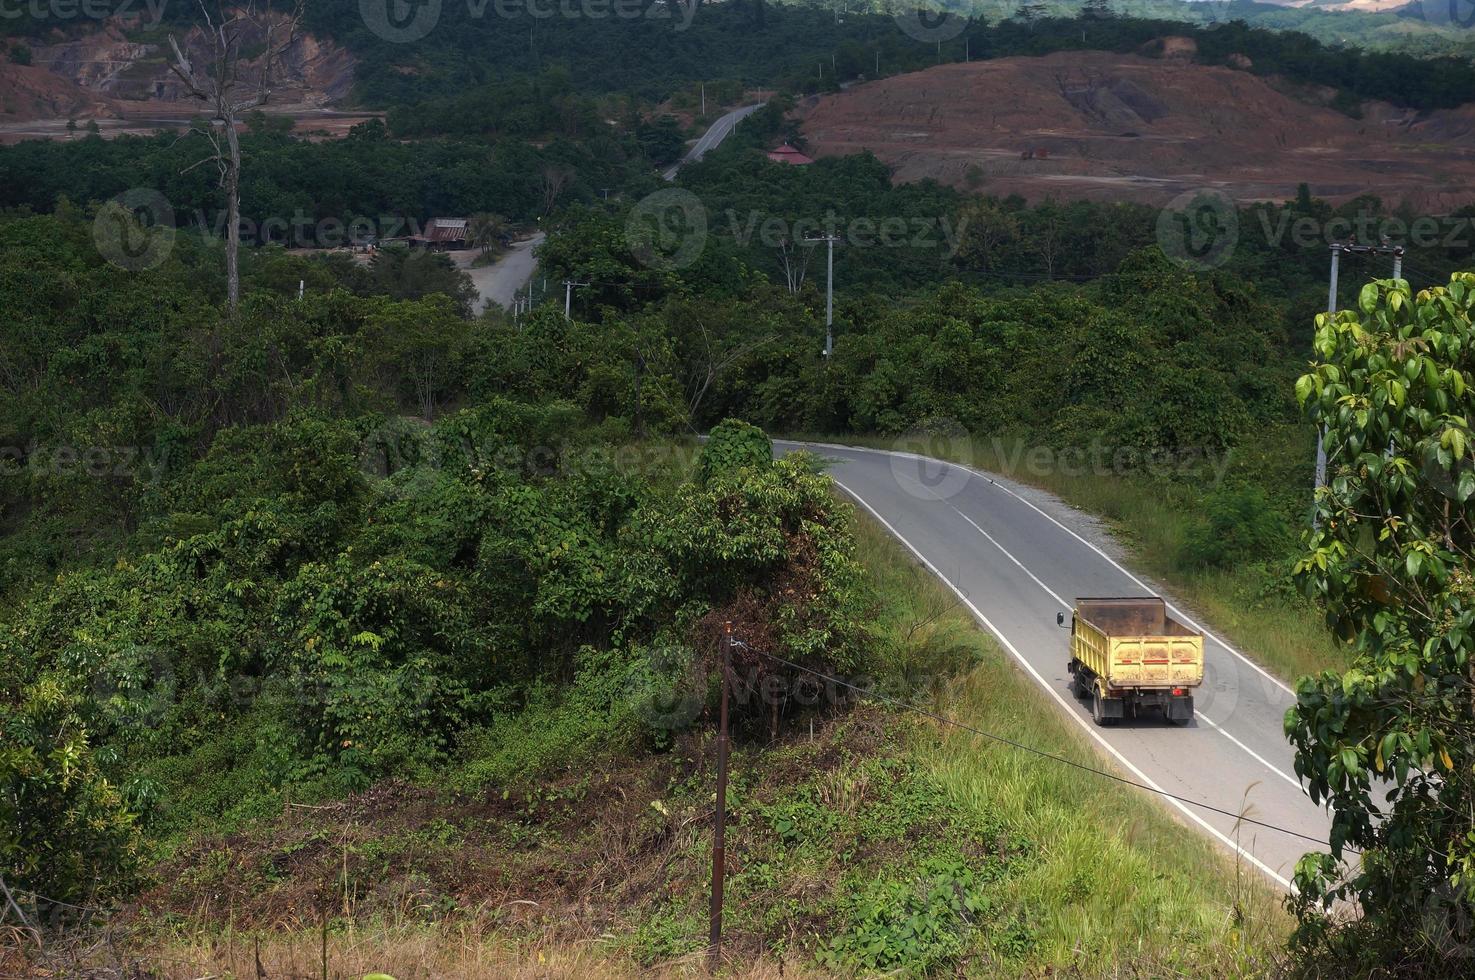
(802,49)
(352,549)
(496,60)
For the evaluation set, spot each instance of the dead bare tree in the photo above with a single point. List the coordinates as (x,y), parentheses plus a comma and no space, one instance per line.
(794,259)
(220,86)
(712,362)
(554,178)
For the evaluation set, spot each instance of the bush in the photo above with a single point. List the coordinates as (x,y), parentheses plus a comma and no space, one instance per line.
(733,444)
(1237,525)
(65,833)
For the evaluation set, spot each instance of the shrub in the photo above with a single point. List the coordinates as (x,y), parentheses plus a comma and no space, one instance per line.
(1237,525)
(65,832)
(732,445)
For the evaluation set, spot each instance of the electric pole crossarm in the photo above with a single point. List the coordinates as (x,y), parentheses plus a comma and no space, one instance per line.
(568,297)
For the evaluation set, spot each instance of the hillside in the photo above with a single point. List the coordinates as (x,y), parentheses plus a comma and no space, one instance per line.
(1129,127)
(121,79)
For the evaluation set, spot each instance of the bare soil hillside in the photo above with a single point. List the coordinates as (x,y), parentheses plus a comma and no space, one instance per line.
(1108,126)
(125,85)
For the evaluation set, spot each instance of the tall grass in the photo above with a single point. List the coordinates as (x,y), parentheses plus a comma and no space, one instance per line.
(1116,885)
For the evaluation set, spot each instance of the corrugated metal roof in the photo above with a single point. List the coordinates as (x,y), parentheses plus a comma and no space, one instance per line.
(445,229)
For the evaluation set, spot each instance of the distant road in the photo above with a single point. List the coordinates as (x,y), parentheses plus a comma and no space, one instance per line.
(500,281)
(1015,557)
(714,135)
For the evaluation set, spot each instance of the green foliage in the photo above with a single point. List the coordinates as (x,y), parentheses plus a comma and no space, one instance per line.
(1388,559)
(912,926)
(1237,525)
(733,444)
(305,590)
(599,714)
(66,834)
(779,46)
(300,192)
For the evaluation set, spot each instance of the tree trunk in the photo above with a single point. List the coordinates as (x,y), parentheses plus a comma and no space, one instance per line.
(233,210)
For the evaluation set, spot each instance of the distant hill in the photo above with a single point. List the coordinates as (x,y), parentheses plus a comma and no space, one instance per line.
(459,72)
(1103,126)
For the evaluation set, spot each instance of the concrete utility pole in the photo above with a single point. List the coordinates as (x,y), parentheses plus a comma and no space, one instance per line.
(719,830)
(1338,250)
(830,238)
(568,297)
(1331,307)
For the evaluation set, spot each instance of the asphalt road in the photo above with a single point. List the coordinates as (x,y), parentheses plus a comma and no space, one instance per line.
(715,134)
(1015,561)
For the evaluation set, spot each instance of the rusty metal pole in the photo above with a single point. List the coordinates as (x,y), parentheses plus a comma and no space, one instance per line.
(719,832)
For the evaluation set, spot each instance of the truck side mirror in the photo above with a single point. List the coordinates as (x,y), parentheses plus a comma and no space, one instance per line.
(1060,619)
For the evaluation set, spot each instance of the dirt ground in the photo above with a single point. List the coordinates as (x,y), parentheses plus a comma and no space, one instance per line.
(124,84)
(1104,126)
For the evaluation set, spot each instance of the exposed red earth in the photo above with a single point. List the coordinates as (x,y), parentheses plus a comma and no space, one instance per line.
(1107,126)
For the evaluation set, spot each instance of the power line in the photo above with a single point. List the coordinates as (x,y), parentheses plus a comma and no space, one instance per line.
(1041,752)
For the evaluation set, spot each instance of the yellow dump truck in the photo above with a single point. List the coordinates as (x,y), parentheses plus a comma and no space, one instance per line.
(1129,654)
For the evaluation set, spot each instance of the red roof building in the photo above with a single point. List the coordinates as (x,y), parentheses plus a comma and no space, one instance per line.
(787,154)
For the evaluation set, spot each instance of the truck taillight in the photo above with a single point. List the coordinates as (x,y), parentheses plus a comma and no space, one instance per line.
(1177,692)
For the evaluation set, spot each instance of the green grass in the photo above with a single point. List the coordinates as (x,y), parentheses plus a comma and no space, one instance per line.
(1253,604)
(1117,885)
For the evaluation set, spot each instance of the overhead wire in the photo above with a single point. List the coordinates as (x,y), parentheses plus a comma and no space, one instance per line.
(943,719)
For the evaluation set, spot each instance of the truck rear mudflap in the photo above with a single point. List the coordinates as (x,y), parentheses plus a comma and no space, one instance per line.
(1176,703)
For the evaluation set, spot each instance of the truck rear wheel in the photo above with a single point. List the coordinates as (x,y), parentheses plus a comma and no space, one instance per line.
(1098,710)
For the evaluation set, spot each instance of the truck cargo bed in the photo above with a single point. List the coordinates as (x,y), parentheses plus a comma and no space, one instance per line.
(1128,653)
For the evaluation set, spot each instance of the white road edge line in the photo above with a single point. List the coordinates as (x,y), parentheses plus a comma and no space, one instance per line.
(1056,596)
(1032,506)
(1146,779)
(1258,757)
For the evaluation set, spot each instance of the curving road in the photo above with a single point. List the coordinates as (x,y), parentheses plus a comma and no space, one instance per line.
(715,134)
(1015,559)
